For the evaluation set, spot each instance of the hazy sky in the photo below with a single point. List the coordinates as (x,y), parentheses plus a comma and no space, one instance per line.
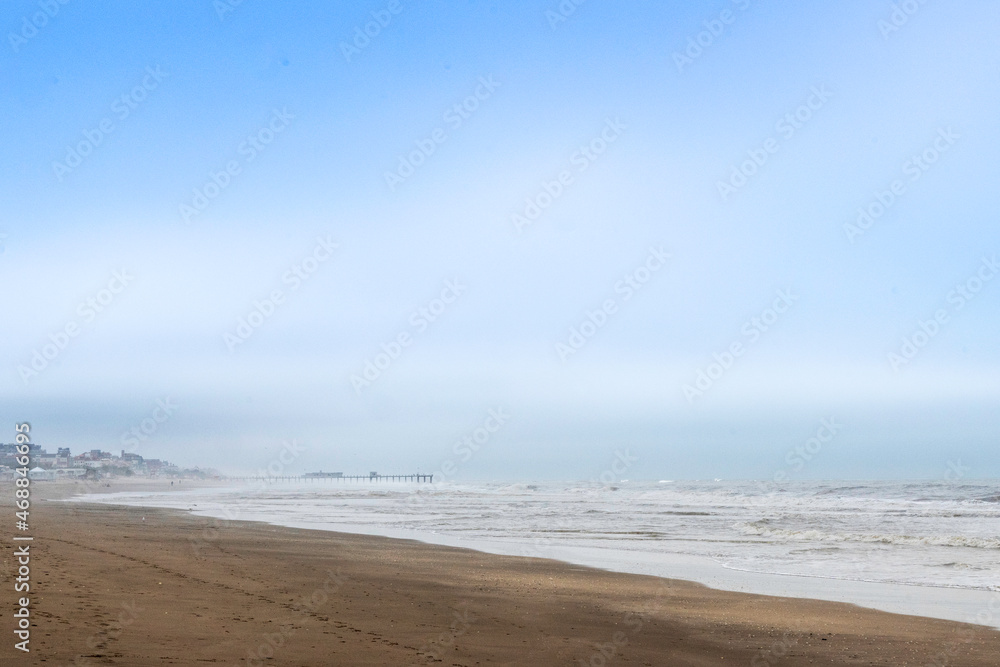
(287,229)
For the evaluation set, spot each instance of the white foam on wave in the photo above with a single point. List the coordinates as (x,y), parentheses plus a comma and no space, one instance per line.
(761,528)
(921,536)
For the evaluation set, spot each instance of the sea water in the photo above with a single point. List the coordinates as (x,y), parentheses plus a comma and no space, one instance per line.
(925,548)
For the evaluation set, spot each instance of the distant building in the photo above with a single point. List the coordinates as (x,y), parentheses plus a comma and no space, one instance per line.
(91,464)
(45,460)
(11,449)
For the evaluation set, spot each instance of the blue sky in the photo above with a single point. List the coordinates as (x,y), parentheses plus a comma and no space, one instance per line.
(641,126)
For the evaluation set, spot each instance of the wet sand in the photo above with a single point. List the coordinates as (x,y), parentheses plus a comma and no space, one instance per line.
(111,589)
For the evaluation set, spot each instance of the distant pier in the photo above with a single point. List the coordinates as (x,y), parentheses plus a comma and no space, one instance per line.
(336,477)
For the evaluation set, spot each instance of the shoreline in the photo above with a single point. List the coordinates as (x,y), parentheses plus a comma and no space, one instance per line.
(951,603)
(113,588)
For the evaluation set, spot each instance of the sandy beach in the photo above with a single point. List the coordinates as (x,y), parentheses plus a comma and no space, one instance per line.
(133,586)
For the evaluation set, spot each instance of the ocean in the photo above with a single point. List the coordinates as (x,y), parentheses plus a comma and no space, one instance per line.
(925,548)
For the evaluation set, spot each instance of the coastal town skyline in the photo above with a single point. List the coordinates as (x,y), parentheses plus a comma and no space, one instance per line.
(64,465)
